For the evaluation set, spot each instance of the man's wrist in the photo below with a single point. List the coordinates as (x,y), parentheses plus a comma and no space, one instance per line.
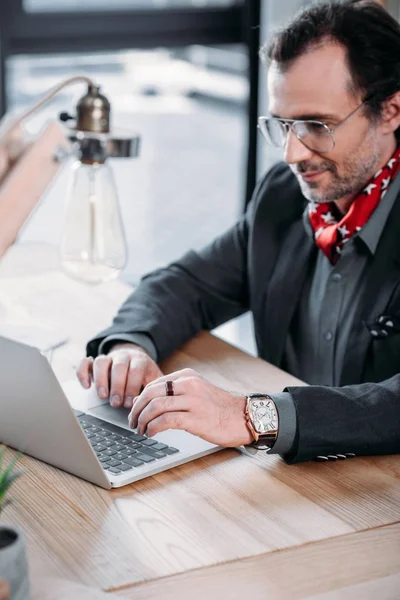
(262,420)
(142,340)
(126,346)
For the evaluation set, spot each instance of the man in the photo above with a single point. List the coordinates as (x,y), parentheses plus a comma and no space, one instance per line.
(316,259)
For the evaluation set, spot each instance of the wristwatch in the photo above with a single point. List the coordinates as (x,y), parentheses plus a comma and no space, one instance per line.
(263,421)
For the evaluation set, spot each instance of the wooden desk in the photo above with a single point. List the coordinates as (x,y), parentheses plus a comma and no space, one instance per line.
(227,525)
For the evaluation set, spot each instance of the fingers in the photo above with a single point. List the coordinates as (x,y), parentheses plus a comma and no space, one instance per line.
(170,420)
(85,372)
(155,408)
(153,390)
(101,373)
(119,373)
(183,373)
(135,379)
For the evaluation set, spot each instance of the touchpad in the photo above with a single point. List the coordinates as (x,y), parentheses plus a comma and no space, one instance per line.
(117,416)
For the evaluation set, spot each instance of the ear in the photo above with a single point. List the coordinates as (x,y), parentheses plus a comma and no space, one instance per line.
(390,115)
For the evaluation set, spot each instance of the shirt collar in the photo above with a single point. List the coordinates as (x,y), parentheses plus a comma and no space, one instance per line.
(371,233)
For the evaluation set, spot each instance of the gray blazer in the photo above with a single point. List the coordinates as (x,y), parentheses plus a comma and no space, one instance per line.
(260,265)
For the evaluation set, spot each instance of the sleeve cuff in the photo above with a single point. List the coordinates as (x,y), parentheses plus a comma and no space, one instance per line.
(141,339)
(287,423)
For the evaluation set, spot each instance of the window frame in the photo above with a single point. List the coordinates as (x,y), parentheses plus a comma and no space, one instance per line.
(23,32)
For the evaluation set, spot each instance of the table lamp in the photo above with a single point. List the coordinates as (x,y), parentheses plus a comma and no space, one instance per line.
(93,247)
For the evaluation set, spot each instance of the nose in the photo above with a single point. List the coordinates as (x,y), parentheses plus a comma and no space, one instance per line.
(294,150)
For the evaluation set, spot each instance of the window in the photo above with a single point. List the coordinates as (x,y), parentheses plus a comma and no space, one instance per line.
(106,5)
(190,107)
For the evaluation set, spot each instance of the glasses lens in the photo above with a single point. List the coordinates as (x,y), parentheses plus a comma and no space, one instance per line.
(274,132)
(315,135)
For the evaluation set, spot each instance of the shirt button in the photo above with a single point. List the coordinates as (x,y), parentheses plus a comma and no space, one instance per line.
(328,335)
(336,277)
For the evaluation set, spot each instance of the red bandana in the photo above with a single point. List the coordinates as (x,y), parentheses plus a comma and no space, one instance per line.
(331,234)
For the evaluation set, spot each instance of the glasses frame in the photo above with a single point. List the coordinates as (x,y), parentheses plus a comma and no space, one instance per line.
(290,124)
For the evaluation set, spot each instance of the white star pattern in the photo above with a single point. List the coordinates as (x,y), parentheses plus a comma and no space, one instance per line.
(369,188)
(324,219)
(344,231)
(312,207)
(328,218)
(391,162)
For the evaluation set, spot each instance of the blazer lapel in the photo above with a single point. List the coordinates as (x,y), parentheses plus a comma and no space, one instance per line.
(284,288)
(383,277)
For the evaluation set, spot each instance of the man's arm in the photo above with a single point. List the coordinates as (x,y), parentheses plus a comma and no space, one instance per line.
(200,291)
(363,419)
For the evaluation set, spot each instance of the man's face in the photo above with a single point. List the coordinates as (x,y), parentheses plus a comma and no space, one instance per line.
(316,86)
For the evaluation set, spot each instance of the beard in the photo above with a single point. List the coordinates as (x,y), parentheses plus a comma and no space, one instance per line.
(346,181)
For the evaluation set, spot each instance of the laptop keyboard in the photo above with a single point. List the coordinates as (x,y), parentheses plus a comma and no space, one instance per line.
(120,450)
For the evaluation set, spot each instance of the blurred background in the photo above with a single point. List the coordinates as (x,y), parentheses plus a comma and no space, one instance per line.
(184,75)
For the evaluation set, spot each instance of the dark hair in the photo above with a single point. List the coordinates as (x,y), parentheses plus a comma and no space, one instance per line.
(367,31)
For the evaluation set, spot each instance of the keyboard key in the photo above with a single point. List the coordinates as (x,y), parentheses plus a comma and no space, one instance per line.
(109,443)
(104,459)
(170,450)
(118,447)
(112,469)
(120,456)
(113,463)
(127,441)
(137,438)
(135,444)
(134,462)
(159,446)
(129,450)
(109,452)
(152,452)
(144,457)
(149,442)
(99,439)
(105,433)
(85,425)
(92,421)
(115,437)
(125,467)
(99,448)
(95,429)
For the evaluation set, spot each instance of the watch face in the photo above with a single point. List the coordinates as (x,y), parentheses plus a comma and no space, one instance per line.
(264,415)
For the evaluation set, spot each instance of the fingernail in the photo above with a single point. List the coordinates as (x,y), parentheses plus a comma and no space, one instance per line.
(116,400)
(101,392)
(85,383)
(128,402)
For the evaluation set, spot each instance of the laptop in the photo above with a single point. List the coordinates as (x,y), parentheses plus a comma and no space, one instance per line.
(72,429)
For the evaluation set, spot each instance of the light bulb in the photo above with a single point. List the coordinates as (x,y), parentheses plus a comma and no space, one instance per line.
(93,246)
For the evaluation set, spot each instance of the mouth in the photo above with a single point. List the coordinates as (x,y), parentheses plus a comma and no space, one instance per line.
(311,175)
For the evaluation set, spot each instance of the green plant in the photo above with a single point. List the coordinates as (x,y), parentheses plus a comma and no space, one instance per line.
(7,477)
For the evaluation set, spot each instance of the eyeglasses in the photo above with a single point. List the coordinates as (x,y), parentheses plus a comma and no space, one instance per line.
(314,135)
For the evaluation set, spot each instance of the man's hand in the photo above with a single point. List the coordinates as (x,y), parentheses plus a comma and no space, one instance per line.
(120,375)
(198,407)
